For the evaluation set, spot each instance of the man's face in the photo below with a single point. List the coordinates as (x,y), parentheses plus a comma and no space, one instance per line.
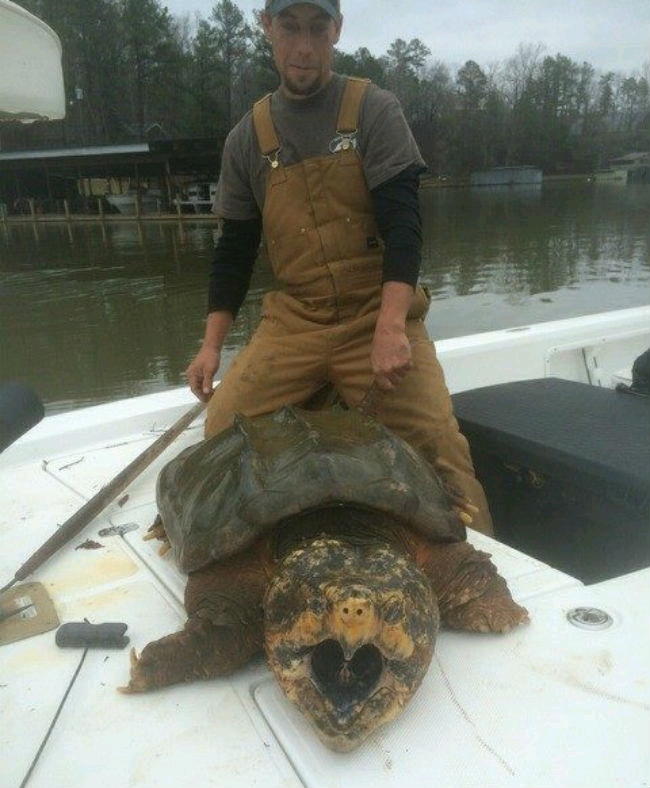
(303,39)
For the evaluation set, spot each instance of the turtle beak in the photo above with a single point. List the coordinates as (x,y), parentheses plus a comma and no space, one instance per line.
(347,681)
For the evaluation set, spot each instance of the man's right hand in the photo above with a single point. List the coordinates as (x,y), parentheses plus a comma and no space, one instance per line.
(200,373)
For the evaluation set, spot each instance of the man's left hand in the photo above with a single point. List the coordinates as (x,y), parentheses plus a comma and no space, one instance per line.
(390,356)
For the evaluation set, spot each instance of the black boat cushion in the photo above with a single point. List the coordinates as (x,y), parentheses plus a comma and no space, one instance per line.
(567,427)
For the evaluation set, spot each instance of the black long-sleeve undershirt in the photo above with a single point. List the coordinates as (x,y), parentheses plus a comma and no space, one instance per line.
(397,213)
(232,264)
(396,208)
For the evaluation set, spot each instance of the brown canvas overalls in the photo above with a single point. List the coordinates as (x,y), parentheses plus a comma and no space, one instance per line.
(325,251)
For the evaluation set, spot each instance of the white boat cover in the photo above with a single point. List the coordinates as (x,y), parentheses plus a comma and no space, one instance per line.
(31,76)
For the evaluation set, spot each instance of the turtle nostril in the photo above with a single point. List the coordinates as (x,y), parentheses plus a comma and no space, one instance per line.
(353,611)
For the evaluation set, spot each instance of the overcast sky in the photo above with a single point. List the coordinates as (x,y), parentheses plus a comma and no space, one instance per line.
(612,35)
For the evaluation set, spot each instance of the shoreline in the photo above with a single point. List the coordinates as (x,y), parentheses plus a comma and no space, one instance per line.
(426,182)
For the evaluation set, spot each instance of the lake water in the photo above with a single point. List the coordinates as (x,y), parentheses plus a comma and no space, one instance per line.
(92,312)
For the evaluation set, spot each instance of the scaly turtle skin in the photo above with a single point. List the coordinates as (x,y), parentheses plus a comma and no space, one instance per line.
(342,577)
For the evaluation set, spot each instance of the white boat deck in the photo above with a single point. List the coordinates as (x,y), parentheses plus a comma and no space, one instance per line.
(547,704)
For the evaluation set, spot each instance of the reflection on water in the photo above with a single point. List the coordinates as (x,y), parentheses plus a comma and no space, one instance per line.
(90,312)
(496,257)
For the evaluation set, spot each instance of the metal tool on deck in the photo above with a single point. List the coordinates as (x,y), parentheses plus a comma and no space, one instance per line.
(26,610)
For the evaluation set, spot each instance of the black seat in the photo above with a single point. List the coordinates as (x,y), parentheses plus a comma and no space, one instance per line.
(566,467)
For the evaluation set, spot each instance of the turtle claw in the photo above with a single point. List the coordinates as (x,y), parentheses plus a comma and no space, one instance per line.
(502,621)
(465,517)
(130,688)
(157,531)
(461,505)
(148,671)
(511,623)
(496,614)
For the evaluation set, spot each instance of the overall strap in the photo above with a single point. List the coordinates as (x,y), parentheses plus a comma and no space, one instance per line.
(264,128)
(353,93)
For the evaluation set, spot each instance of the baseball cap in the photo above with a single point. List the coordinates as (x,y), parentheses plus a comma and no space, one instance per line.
(331,7)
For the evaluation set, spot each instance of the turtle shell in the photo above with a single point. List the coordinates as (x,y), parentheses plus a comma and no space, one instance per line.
(218,496)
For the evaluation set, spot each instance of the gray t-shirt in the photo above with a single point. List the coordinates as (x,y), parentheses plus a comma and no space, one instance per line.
(305,128)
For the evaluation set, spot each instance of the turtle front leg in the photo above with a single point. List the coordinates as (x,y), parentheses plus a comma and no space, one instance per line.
(471,593)
(224,629)
(200,651)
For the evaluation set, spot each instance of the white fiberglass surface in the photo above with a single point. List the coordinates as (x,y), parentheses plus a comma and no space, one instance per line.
(547,704)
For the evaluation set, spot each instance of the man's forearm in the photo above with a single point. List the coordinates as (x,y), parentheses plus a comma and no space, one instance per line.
(396,300)
(217,326)
(232,264)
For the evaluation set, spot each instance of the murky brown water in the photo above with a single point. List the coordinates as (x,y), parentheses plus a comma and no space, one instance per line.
(92,312)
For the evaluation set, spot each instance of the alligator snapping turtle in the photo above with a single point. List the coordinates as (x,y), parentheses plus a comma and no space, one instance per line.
(327,541)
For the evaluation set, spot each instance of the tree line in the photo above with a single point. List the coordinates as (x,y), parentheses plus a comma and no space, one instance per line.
(134,72)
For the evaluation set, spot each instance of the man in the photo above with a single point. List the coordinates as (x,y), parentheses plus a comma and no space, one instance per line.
(328,168)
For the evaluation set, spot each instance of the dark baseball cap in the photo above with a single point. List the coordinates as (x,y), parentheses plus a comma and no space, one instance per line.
(331,7)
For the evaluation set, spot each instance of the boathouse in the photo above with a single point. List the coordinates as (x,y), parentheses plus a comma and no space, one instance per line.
(635,166)
(507,176)
(81,176)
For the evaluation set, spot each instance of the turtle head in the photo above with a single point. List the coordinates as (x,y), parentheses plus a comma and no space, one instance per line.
(349,635)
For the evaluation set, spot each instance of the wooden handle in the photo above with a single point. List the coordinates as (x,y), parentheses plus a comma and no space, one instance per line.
(74,524)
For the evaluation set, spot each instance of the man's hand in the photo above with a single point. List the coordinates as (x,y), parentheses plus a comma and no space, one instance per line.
(390,353)
(390,356)
(200,373)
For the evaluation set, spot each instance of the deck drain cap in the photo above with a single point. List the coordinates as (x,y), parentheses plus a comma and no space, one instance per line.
(589,618)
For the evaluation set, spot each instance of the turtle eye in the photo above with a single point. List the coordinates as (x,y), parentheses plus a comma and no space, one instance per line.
(393,611)
(318,605)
